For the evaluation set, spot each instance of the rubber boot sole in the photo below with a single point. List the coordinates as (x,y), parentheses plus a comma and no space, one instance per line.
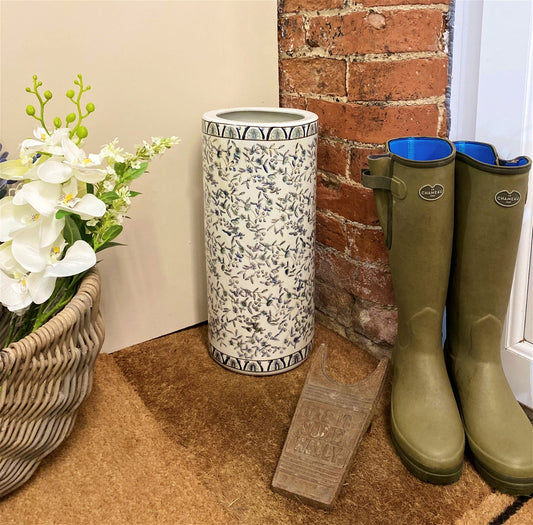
(423,473)
(505,484)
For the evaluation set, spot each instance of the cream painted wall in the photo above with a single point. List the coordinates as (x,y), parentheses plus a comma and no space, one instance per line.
(155,67)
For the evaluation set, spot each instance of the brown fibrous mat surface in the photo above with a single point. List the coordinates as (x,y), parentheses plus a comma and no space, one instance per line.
(169,437)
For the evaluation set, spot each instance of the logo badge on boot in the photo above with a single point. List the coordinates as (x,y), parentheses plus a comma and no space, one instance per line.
(431,193)
(507,199)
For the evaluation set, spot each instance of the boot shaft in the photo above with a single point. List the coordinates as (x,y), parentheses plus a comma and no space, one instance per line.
(413,187)
(490,194)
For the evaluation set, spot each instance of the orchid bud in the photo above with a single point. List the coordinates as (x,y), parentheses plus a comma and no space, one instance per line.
(47,95)
(82,132)
(57,122)
(30,110)
(70,93)
(89,107)
(71,117)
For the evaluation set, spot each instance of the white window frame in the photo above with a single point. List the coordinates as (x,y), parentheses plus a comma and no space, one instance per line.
(492,101)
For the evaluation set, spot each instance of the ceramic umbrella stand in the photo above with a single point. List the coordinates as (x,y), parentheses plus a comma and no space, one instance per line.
(259,190)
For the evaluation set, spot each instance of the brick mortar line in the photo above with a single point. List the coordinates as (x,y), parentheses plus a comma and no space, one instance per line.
(348,10)
(341,178)
(441,122)
(348,181)
(437,99)
(351,144)
(320,52)
(334,11)
(388,307)
(333,251)
(343,220)
(347,78)
(345,179)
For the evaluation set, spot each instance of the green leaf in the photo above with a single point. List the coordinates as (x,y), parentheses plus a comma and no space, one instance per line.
(119,168)
(135,193)
(62,213)
(109,245)
(132,174)
(90,188)
(109,196)
(71,232)
(111,233)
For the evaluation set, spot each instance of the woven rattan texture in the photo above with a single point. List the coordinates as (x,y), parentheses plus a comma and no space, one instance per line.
(44,378)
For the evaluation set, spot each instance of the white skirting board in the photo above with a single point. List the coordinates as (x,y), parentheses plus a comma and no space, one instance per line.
(519,370)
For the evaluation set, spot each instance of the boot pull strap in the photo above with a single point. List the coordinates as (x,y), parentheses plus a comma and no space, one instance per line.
(377,182)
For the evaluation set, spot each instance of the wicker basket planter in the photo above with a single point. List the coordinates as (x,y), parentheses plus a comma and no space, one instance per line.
(44,378)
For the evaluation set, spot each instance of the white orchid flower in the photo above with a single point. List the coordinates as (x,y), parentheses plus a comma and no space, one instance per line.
(17,170)
(15,218)
(21,289)
(14,293)
(12,217)
(14,285)
(87,169)
(87,206)
(43,142)
(42,196)
(47,198)
(54,171)
(78,258)
(7,262)
(31,254)
(58,170)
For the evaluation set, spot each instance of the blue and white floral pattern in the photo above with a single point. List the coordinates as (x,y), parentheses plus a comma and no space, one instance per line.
(260,235)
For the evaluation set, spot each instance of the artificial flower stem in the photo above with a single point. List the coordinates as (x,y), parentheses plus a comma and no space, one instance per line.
(20,326)
(11,332)
(37,315)
(61,296)
(42,103)
(79,83)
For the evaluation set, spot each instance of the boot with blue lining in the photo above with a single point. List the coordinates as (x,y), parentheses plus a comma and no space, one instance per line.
(413,186)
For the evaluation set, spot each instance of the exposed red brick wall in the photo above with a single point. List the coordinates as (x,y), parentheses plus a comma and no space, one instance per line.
(372,70)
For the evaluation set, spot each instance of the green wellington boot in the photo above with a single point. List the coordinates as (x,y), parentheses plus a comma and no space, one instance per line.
(489,204)
(414,192)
